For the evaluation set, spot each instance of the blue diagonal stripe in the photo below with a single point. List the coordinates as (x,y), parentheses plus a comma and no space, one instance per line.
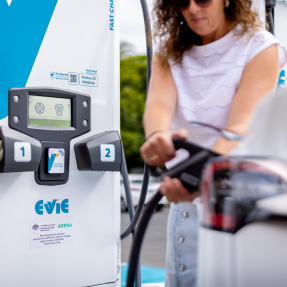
(22,29)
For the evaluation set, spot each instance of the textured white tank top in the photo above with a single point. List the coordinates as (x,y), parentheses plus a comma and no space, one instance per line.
(208,79)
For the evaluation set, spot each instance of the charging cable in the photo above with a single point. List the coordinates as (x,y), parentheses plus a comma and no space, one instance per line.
(138,239)
(270,4)
(135,215)
(1,151)
(145,218)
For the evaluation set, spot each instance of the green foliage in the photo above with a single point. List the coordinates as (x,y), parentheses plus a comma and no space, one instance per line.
(133,95)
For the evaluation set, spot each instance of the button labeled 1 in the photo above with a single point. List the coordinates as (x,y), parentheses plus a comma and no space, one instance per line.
(22,152)
(107,152)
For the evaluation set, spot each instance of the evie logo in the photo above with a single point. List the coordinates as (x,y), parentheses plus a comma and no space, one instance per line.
(52,206)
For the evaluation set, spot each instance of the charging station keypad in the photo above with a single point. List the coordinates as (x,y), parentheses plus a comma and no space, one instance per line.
(53,117)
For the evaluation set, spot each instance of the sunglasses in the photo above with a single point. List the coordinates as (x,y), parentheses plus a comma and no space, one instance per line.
(183,4)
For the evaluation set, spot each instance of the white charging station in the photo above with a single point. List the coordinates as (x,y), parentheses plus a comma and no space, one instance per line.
(57,235)
(60,225)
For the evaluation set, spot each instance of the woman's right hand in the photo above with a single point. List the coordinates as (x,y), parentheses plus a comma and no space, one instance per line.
(174,191)
(159,147)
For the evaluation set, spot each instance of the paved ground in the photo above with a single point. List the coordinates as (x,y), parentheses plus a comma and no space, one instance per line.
(153,250)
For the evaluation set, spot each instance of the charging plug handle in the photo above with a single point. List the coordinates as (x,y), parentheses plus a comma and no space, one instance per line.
(189,171)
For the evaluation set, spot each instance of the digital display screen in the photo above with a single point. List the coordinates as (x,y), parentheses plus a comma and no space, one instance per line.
(49,111)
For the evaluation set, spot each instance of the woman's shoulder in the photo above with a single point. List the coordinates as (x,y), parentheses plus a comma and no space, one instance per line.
(254,36)
(255,41)
(235,40)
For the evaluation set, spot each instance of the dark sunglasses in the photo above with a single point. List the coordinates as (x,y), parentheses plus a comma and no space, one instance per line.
(185,3)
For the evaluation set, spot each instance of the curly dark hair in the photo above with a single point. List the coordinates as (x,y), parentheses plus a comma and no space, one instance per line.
(174,35)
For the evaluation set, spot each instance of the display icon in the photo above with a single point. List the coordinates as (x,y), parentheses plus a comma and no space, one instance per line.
(39,108)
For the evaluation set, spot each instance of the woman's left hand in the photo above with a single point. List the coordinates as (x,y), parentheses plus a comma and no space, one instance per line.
(175,192)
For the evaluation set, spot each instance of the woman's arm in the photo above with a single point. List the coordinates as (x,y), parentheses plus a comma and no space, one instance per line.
(159,111)
(259,78)
(161,100)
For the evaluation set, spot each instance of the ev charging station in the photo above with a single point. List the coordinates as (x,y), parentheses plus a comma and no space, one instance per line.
(59,149)
(60,219)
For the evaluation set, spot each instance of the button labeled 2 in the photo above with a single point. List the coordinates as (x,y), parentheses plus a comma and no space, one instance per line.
(107,152)
(22,152)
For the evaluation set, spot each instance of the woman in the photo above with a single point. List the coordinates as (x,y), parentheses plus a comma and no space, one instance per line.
(212,65)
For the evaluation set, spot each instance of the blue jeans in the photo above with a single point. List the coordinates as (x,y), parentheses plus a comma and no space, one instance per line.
(181,250)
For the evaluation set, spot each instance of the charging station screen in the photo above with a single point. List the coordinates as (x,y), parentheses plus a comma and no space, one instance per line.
(49,111)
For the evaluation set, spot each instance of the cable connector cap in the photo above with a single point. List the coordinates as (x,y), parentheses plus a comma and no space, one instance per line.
(100,152)
(18,152)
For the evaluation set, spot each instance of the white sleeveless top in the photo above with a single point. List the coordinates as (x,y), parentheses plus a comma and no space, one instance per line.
(208,79)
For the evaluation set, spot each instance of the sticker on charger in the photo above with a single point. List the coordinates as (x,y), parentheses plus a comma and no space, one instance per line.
(56,160)
(51,232)
(107,152)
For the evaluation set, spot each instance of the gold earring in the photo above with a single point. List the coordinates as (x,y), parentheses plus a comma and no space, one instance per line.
(226,3)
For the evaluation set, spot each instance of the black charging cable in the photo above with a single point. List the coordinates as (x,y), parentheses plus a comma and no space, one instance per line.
(146,216)
(148,34)
(270,4)
(138,239)
(134,216)
(1,150)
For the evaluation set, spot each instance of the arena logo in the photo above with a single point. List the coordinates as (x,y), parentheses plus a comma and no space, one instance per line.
(65,225)
(52,206)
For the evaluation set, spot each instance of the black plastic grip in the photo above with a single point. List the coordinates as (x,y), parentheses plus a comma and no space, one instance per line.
(188,171)
(178,144)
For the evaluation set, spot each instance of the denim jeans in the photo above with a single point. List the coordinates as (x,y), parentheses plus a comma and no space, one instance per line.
(181,251)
